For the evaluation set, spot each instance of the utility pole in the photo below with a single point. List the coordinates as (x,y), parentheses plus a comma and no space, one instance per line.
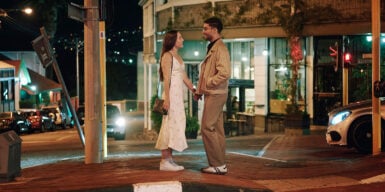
(92,78)
(376,35)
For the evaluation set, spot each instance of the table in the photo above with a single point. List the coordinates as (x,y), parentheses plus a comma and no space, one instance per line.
(249,119)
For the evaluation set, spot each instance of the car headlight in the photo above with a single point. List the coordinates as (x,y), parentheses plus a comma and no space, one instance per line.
(120,122)
(339,117)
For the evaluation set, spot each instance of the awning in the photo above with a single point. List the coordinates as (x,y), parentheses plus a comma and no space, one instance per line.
(41,83)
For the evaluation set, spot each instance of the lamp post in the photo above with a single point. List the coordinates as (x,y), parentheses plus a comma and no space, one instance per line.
(79,47)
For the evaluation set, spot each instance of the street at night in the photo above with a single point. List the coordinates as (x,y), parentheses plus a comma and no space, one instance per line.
(265,162)
(299,85)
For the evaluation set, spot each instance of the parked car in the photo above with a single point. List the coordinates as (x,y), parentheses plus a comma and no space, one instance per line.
(15,121)
(116,126)
(59,118)
(351,126)
(80,114)
(116,123)
(40,121)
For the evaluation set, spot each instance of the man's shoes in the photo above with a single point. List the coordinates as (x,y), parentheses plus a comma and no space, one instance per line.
(169,165)
(221,170)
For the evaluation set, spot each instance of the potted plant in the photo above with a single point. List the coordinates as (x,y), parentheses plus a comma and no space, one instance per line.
(192,127)
(155,117)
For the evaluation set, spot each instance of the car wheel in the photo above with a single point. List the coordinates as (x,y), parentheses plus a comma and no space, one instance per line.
(30,130)
(361,134)
(42,128)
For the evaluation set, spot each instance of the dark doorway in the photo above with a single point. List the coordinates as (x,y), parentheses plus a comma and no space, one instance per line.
(327,88)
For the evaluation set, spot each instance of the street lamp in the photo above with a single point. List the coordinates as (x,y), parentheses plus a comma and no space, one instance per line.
(79,47)
(4,12)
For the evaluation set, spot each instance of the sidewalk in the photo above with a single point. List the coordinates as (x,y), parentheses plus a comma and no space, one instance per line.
(288,163)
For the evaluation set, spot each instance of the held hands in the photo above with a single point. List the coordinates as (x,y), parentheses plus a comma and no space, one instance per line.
(197,97)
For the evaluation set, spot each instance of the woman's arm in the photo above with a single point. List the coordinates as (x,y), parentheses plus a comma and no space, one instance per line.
(166,69)
(188,83)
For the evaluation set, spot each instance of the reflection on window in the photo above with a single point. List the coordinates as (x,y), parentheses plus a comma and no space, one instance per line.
(241,54)
(280,77)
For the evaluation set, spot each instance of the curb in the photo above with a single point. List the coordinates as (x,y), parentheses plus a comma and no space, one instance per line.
(163,186)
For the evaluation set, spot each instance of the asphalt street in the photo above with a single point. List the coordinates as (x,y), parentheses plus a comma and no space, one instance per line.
(266,162)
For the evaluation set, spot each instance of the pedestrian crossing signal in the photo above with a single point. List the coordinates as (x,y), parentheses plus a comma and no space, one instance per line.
(334,54)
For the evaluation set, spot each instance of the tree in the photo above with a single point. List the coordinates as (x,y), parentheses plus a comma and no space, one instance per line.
(47,11)
(290,16)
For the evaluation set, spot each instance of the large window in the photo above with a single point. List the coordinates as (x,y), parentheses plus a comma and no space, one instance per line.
(7,84)
(241,53)
(280,77)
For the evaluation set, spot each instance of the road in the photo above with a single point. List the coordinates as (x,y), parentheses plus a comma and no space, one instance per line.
(50,147)
(276,162)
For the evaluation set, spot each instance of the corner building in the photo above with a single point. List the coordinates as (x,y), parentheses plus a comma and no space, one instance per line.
(260,54)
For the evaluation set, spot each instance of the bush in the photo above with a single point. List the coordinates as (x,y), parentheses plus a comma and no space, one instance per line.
(192,127)
(155,117)
(192,124)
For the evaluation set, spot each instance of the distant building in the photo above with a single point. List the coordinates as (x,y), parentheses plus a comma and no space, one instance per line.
(23,84)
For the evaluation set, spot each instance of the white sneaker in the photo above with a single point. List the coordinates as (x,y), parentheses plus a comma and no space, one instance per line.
(166,165)
(221,170)
(179,166)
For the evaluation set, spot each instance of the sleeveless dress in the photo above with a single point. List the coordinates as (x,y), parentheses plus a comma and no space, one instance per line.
(172,131)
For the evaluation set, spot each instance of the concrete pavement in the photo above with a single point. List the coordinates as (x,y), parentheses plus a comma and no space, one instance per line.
(287,163)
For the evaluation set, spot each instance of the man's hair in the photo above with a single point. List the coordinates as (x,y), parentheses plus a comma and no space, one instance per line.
(215,22)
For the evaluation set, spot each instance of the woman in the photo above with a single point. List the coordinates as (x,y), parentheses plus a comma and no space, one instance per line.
(172,132)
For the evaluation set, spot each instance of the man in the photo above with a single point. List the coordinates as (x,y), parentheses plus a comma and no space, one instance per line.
(213,84)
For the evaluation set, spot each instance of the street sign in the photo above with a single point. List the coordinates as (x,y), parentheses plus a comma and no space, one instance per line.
(76,12)
(42,48)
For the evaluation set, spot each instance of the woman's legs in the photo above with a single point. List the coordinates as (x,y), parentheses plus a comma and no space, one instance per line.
(167,153)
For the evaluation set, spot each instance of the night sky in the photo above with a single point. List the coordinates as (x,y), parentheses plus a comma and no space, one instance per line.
(18,30)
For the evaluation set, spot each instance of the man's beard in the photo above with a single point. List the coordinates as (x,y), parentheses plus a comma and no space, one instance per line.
(207,37)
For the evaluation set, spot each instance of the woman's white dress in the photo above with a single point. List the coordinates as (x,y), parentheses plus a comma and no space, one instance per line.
(172,131)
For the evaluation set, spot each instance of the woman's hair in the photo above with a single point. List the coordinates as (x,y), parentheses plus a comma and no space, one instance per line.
(168,43)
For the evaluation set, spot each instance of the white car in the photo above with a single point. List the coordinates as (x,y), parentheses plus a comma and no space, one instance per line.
(351,126)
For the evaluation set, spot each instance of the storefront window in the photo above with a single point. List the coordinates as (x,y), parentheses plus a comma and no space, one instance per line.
(280,77)
(241,53)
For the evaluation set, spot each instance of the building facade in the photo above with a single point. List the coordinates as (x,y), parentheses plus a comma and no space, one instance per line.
(260,53)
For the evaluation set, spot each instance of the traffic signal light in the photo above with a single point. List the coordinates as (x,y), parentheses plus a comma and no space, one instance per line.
(347,59)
